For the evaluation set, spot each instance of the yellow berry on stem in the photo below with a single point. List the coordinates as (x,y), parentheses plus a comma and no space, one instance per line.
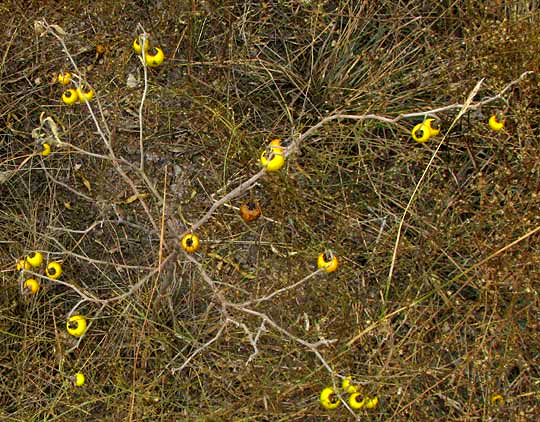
(328,261)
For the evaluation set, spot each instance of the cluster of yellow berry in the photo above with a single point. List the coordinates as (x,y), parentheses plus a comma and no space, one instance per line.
(425,130)
(431,127)
(153,56)
(71,96)
(330,400)
(76,325)
(34,260)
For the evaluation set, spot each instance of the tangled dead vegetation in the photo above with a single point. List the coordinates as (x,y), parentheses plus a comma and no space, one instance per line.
(375,275)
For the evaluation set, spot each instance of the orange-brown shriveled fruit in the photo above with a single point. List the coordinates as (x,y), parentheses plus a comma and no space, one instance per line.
(250,211)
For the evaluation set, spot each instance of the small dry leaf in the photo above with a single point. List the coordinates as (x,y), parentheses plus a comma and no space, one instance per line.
(132,81)
(133,198)
(39,28)
(86,183)
(278,253)
(6,175)
(59,30)
(52,136)
(67,205)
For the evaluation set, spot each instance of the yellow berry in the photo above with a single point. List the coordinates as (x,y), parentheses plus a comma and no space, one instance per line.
(329,399)
(54,270)
(85,94)
(421,133)
(357,400)
(497,400)
(434,127)
(31,286)
(46,149)
(79,379)
(23,264)
(64,78)
(348,386)
(328,261)
(272,157)
(137,45)
(76,325)
(70,97)
(155,59)
(371,403)
(35,259)
(496,123)
(190,243)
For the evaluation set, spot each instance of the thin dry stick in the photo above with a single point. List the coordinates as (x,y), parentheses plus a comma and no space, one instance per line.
(199,350)
(253,339)
(283,289)
(496,253)
(91,298)
(143,41)
(100,223)
(79,303)
(462,111)
(241,188)
(65,185)
(105,139)
(313,347)
(162,233)
(426,113)
(295,143)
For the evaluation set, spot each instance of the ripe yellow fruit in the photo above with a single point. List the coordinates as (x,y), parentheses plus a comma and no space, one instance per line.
(348,386)
(329,399)
(76,325)
(496,123)
(371,403)
(23,264)
(79,379)
(433,126)
(155,57)
(137,45)
(85,94)
(497,400)
(64,78)
(54,270)
(328,261)
(190,243)
(46,149)
(421,133)
(31,286)
(357,400)
(70,97)
(272,157)
(35,259)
